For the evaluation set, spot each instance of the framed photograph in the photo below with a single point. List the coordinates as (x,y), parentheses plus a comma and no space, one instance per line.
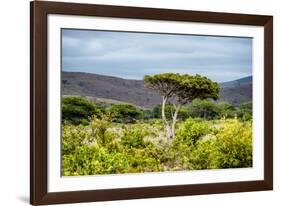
(131,103)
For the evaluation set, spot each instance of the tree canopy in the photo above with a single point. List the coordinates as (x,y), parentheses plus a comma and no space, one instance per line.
(181,89)
(125,113)
(77,110)
(165,84)
(196,87)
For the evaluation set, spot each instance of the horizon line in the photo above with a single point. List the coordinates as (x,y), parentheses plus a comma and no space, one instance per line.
(142,79)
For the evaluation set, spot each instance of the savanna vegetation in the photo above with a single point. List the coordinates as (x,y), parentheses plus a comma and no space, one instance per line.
(188,130)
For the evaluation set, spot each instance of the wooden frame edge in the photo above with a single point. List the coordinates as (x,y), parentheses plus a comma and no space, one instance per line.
(38,102)
(268,102)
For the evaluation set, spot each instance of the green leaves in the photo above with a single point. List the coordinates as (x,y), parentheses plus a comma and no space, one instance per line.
(124,113)
(205,109)
(190,131)
(196,87)
(234,144)
(140,147)
(184,88)
(166,84)
(77,110)
(229,145)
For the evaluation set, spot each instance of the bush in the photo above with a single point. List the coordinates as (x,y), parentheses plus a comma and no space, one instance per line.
(245,111)
(146,114)
(234,145)
(134,138)
(89,160)
(100,130)
(203,156)
(230,147)
(111,148)
(74,137)
(190,131)
(77,110)
(205,109)
(124,113)
(226,110)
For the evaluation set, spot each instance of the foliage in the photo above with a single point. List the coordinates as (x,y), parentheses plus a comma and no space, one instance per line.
(146,114)
(77,110)
(226,110)
(98,139)
(196,87)
(203,156)
(127,155)
(134,138)
(182,89)
(166,84)
(245,111)
(100,129)
(205,109)
(125,113)
(229,147)
(74,137)
(190,131)
(94,159)
(112,148)
(234,145)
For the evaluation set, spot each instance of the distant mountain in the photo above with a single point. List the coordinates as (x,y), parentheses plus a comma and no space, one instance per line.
(237,82)
(237,91)
(108,89)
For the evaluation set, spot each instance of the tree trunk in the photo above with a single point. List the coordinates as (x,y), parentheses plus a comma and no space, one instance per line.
(167,127)
(175,120)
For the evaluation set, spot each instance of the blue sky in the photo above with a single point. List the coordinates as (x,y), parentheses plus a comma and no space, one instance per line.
(132,55)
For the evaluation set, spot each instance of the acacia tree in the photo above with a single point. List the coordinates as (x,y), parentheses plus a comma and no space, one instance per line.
(166,85)
(182,89)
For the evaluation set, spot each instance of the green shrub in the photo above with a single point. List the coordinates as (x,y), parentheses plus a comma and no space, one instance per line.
(205,109)
(245,111)
(203,156)
(99,128)
(234,144)
(134,137)
(89,160)
(74,137)
(146,114)
(112,148)
(77,110)
(124,113)
(226,110)
(190,131)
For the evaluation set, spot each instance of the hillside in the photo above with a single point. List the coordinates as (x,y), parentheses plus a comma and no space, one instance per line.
(109,89)
(238,82)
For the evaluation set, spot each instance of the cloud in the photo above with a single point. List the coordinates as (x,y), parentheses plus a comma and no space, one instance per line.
(132,55)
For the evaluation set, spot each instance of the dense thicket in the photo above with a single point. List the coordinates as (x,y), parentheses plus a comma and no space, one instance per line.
(77,110)
(109,139)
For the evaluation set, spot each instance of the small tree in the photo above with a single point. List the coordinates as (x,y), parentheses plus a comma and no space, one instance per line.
(182,89)
(166,85)
(204,109)
(77,110)
(125,113)
(245,111)
(226,109)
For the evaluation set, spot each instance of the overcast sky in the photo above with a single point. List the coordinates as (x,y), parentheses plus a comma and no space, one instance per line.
(132,55)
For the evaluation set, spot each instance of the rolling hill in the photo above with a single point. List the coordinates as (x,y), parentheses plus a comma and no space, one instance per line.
(108,89)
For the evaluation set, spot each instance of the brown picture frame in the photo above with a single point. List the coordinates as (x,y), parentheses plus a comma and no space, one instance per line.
(39,10)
